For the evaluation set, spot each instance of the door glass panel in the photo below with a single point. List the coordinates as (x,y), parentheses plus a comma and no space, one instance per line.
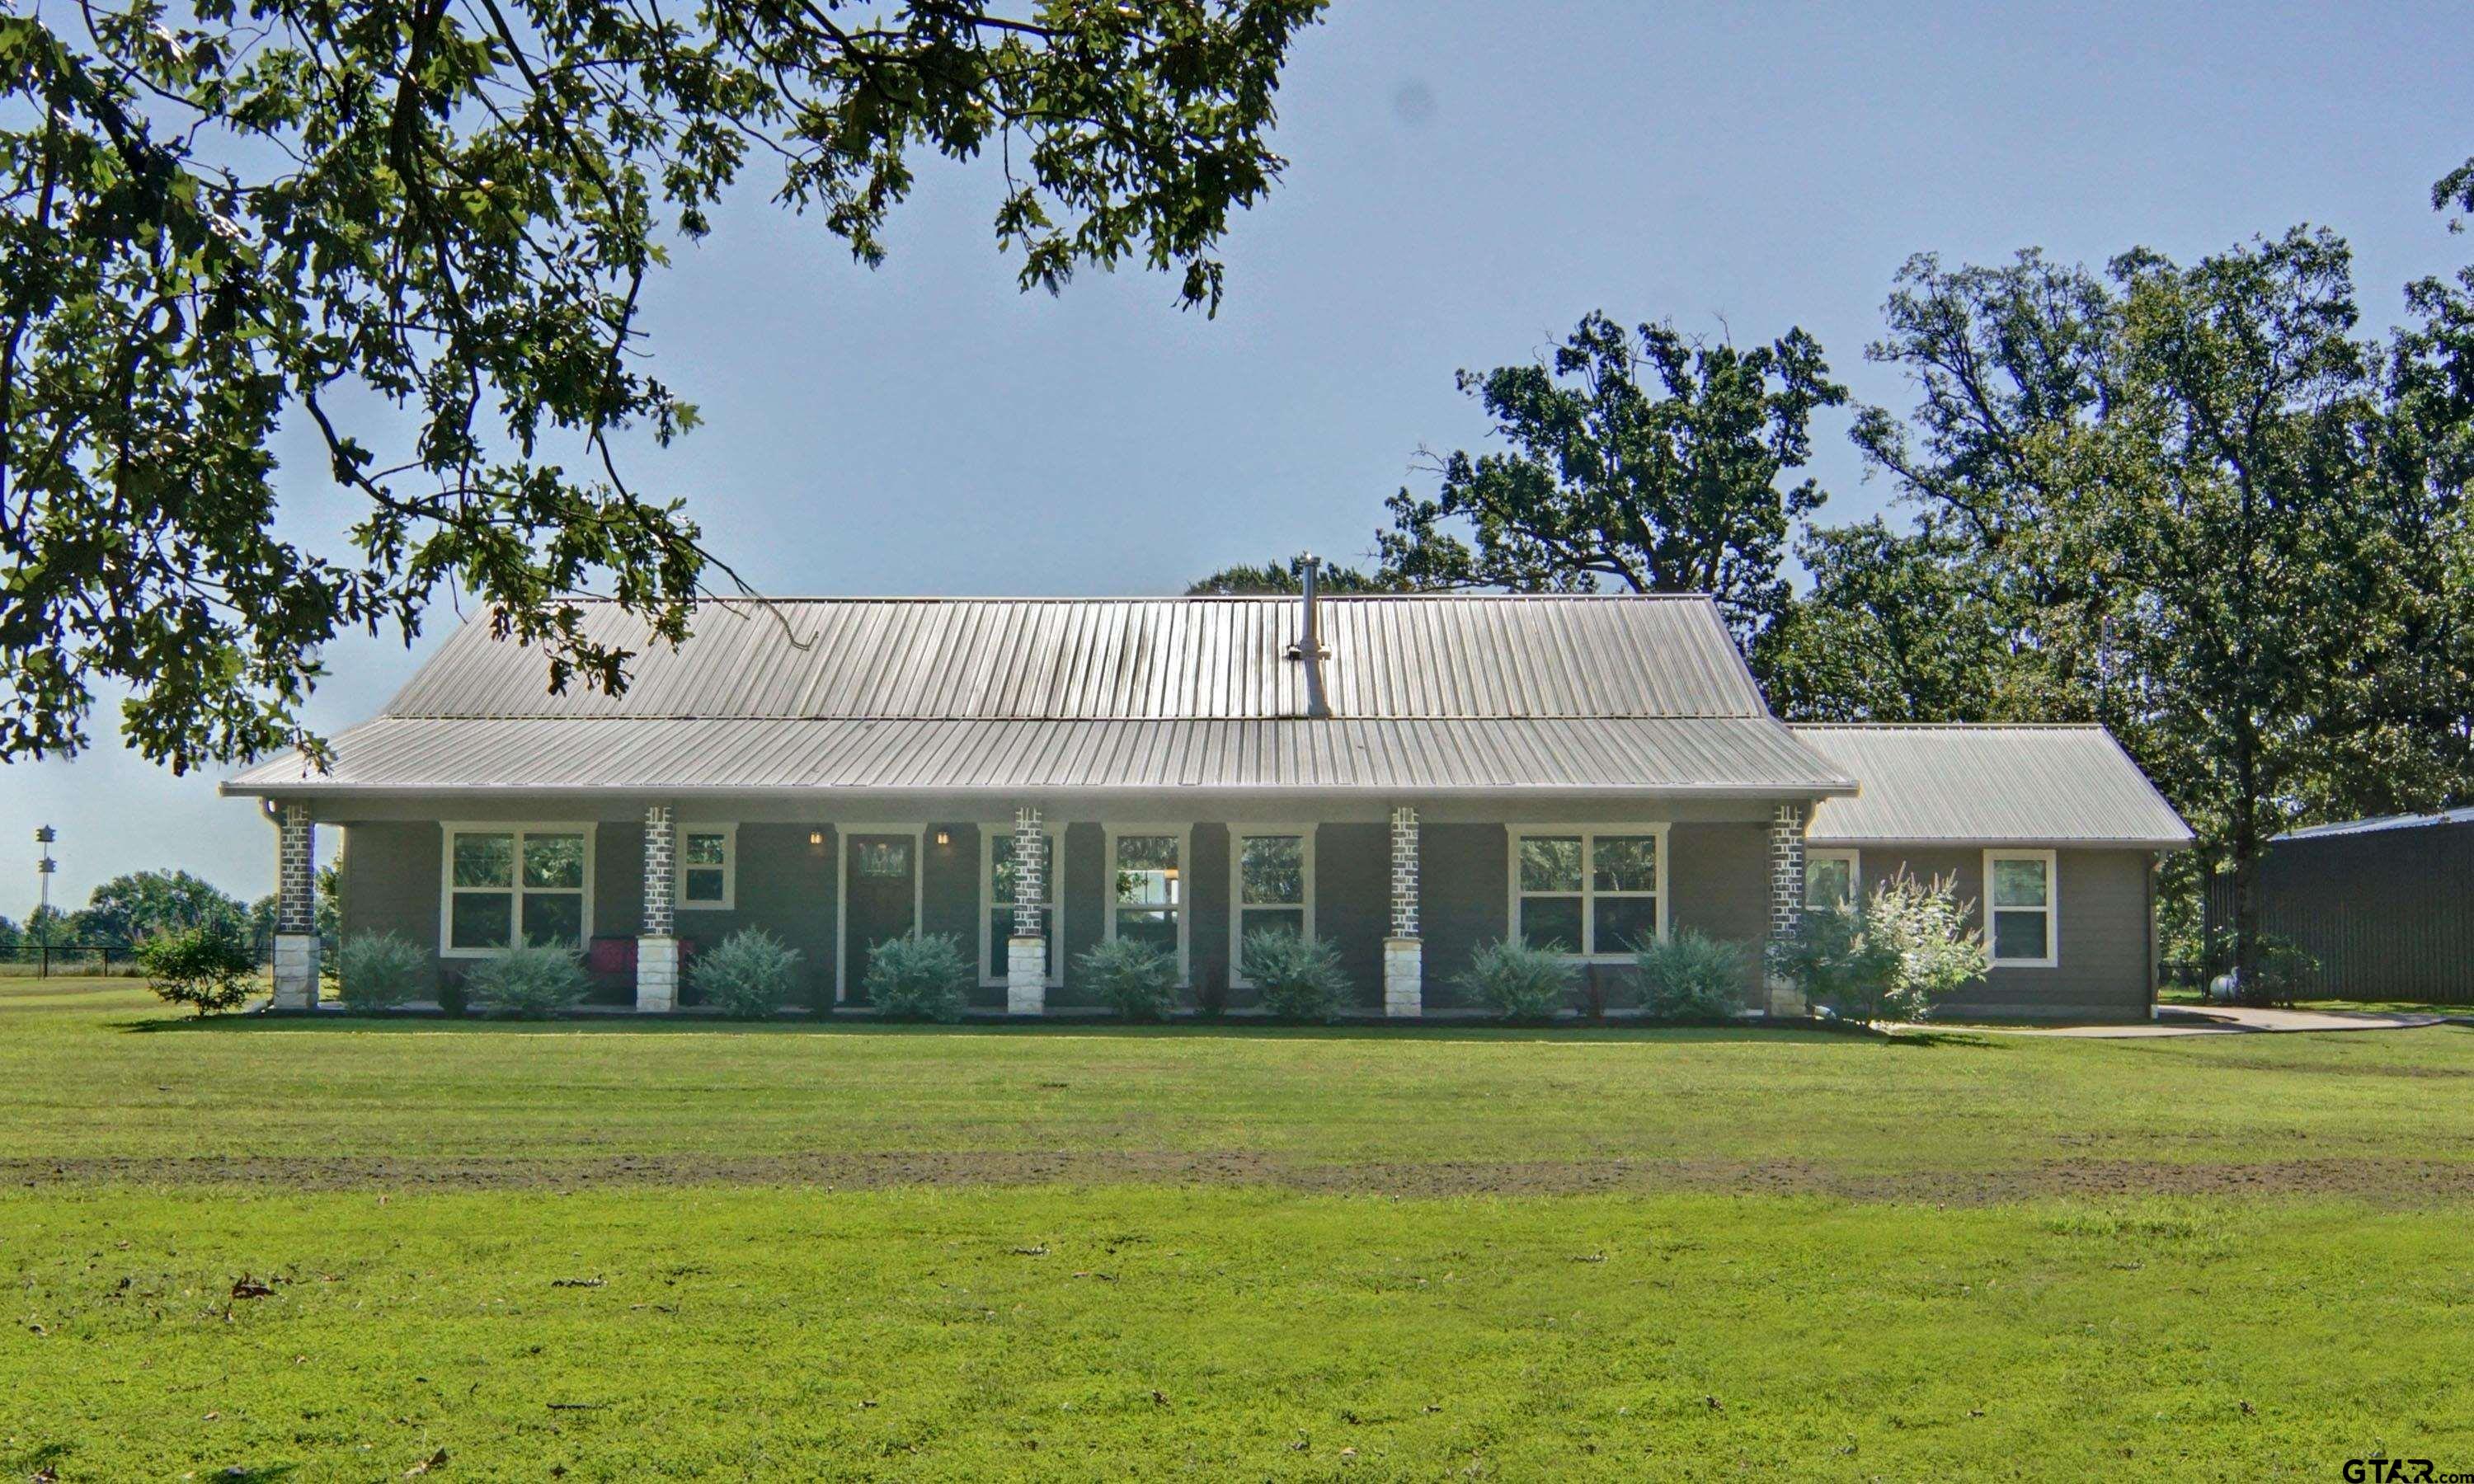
(882,859)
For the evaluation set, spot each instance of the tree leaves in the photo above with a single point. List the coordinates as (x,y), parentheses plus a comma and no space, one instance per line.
(421,232)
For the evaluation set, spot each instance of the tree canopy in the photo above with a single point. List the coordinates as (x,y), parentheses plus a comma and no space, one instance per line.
(1640,460)
(423,231)
(1285,576)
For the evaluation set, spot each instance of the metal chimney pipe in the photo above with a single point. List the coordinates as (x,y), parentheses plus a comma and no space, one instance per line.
(1310,637)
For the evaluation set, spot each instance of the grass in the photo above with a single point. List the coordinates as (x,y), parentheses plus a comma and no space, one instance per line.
(631,1251)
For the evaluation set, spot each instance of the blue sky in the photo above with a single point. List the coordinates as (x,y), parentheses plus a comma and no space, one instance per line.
(1466,180)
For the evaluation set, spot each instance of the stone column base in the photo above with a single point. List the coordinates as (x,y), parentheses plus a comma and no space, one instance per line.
(1785,1000)
(296,971)
(1025,975)
(657,974)
(1404,973)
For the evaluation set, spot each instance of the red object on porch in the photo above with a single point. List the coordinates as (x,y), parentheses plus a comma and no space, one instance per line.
(616,956)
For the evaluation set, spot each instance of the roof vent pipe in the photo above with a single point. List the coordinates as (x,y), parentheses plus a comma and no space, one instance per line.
(1309,646)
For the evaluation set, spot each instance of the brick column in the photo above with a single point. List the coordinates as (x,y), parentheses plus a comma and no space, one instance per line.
(296,909)
(1404,953)
(1026,950)
(1786,899)
(657,946)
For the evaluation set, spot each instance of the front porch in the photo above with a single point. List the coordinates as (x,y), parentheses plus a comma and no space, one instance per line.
(1405,890)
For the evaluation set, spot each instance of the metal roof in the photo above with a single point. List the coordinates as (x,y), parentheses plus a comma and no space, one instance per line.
(1738,756)
(1426,693)
(2036,785)
(2379,824)
(1133,658)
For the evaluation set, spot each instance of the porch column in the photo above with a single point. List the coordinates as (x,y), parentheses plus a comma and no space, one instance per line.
(657,948)
(1404,953)
(296,909)
(1026,950)
(1786,899)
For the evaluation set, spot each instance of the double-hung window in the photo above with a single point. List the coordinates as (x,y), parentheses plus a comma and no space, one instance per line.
(1147,901)
(996,905)
(1591,892)
(2021,899)
(1832,879)
(707,868)
(515,883)
(1271,868)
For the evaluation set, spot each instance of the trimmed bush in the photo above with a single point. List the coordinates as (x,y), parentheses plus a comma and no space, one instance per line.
(923,978)
(746,976)
(1519,980)
(379,970)
(205,969)
(1907,946)
(1689,975)
(529,983)
(1298,979)
(1135,979)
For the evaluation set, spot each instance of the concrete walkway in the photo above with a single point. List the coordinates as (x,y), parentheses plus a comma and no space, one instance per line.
(2230,1021)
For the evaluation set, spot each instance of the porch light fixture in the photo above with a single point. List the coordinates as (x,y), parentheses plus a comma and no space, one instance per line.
(943,838)
(816,839)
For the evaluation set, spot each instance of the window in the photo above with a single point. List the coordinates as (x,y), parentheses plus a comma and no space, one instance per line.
(1591,892)
(996,902)
(708,870)
(510,883)
(1272,869)
(1831,878)
(1147,902)
(2019,902)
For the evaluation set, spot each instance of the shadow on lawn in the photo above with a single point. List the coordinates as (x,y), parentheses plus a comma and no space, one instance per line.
(332,1022)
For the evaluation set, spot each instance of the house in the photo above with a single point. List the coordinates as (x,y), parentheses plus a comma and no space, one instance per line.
(2377,905)
(1406,777)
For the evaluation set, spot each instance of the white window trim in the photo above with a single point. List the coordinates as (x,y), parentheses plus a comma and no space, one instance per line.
(842,835)
(729,868)
(1854,860)
(446,888)
(2053,910)
(1588,894)
(1184,833)
(1238,835)
(988,832)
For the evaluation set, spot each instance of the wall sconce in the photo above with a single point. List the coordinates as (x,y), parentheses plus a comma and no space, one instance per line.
(943,838)
(816,839)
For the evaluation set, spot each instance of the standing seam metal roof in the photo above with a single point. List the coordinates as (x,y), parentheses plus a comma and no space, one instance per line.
(1427,692)
(1990,784)
(1126,658)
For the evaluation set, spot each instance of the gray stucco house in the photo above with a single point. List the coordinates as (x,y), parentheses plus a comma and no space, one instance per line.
(1408,777)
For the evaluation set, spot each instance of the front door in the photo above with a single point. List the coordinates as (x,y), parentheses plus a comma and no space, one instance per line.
(883,902)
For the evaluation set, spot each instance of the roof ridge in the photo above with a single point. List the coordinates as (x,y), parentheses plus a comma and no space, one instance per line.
(1186,597)
(1948,726)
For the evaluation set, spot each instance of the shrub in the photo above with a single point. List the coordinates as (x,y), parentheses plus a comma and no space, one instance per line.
(1889,959)
(1299,979)
(1689,975)
(1519,980)
(1135,979)
(746,976)
(529,983)
(2279,977)
(379,970)
(923,978)
(203,967)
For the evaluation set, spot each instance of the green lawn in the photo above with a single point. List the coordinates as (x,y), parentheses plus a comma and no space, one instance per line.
(627,1251)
